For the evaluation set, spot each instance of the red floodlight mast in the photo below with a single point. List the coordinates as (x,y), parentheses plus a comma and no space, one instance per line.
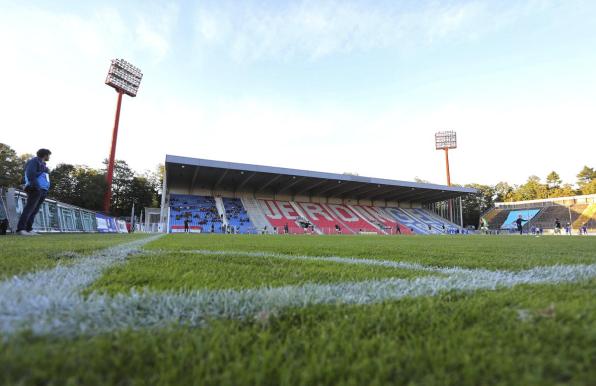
(125,79)
(445,140)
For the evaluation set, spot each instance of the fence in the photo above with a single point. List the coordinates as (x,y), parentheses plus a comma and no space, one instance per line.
(56,216)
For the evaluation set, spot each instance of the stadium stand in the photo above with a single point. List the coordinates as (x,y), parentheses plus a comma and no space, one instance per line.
(347,216)
(527,214)
(586,217)
(380,217)
(322,218)
(411,222)
(546,218)
(268,199)
(438,223)
(256,215)
(496,217)
(578,211)
(274,216)
(300,217)
(281,214)
(199,210)
(237,216)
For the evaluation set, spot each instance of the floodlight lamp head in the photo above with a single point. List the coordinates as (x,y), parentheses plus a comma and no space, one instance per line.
(445,140)
(124,77)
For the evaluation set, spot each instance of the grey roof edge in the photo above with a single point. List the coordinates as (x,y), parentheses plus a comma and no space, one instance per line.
(174,159)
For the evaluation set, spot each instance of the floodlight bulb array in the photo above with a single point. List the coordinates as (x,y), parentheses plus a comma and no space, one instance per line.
(124,77)
(446,140)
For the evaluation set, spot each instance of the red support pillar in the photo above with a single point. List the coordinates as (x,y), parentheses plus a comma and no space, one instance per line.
(449,202)
(447,165)
(110,174)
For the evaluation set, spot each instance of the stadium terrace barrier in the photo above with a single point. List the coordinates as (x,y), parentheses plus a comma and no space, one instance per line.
(56,216)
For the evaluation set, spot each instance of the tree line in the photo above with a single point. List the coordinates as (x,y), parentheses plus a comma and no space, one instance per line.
(84,186)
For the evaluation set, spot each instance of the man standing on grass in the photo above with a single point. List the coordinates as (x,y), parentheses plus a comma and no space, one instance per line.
(520,224)
(37,183)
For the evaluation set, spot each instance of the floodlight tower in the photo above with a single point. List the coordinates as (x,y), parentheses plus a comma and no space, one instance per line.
(445,140)
(125,79)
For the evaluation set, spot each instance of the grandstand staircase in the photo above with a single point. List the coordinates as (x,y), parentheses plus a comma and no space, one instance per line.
(585,217)
(256,216)
(221,210)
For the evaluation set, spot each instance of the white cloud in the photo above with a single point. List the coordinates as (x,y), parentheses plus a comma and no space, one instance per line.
(315,29)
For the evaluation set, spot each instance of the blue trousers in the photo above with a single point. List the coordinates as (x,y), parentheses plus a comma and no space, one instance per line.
(35,198)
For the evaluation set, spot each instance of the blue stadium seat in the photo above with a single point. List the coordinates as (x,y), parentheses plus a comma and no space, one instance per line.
(200,211)
(237,216)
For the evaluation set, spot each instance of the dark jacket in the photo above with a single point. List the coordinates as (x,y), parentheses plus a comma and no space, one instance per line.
(37,174)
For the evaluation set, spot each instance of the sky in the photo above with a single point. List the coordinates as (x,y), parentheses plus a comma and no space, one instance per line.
(335,86)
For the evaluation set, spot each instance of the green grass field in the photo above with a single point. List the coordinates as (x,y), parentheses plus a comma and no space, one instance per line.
(298,310)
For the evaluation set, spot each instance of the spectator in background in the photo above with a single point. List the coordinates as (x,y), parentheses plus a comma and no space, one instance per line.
(186,229)
(37,184)
(557,226)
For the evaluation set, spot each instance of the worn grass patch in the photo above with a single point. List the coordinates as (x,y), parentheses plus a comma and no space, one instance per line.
(490,252)
(27,254)
(188,271)
(530,335)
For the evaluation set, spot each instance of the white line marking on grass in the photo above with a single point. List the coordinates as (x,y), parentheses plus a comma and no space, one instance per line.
(50,302)
(341,260)
(56,290)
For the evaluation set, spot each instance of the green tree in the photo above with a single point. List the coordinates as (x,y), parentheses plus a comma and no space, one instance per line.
(503,192)
(11,167)
(586,175)
(78,185)
(565,190)
(64,182)
(142,194)
(589,188)
(474,205)
(553,180)
(121,203)
(585,179)
(90,188)
(533,189)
